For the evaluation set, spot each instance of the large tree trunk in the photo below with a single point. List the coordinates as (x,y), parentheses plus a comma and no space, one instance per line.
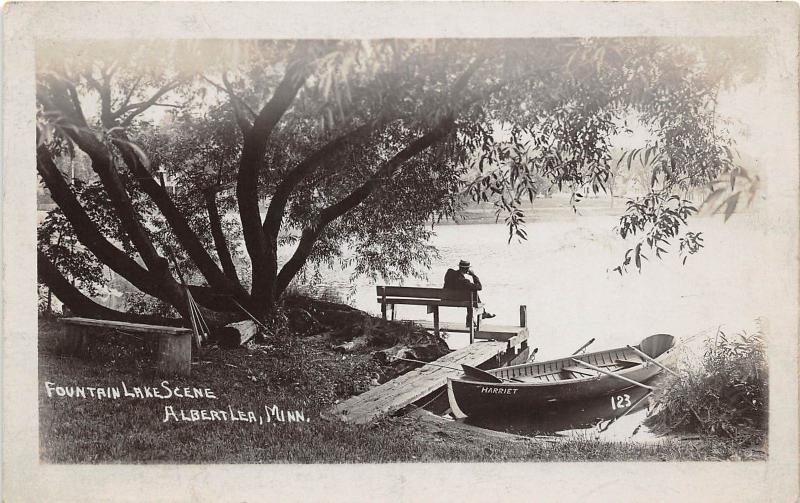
(261,247)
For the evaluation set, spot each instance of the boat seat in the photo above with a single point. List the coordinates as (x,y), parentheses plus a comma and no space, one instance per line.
(579,370)
(627,362)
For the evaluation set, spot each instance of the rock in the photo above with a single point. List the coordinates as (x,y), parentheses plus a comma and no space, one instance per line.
(354,345)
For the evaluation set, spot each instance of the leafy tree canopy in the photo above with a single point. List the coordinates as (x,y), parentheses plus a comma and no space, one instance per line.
(357,145)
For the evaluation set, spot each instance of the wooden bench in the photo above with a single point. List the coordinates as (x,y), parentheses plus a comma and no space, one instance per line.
(433,298)
(174,354)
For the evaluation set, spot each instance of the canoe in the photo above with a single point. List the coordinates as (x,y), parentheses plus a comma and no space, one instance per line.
(528,387)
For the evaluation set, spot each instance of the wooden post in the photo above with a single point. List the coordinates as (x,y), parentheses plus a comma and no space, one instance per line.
(436,320)
(174,354)
(392,312)
(471,319)
(383,302)
(523,316)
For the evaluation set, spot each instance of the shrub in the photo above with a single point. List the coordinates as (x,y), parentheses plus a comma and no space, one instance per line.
(723,394)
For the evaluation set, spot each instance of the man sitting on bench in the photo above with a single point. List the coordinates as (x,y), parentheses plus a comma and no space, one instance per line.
(465,279)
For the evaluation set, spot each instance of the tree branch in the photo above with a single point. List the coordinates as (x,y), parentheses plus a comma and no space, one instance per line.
(277,206)
(88,233)
(135,109)
(131,91)
(236,102)
(252,159)
(388,169)
(219,237)
(104,90)
(82,305)
(186,236)
(103,165)
(311,233)
(60,89)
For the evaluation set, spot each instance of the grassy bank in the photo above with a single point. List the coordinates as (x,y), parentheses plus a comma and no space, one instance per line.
(303,375)
(722,393)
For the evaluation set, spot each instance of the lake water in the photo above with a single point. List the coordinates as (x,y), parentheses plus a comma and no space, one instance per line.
(564,275)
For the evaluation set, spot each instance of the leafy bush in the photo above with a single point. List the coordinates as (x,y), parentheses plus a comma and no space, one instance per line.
(723,394)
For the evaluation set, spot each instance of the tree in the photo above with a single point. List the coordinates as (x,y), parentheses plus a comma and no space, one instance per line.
(359,144)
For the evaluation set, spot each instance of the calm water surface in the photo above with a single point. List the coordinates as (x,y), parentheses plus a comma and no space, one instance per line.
(563,273)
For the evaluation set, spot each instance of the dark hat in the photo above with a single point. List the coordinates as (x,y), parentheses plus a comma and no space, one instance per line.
(463,264)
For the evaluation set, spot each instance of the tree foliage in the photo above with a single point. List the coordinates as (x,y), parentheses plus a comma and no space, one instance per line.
(346,150)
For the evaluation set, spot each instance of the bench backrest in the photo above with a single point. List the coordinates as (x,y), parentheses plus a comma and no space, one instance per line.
(396,294)
(122,325)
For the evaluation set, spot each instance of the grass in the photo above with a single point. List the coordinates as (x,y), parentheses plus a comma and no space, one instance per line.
(294,375)
(722,393)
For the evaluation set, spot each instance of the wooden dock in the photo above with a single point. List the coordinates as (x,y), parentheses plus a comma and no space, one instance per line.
(422,382)
(492,332)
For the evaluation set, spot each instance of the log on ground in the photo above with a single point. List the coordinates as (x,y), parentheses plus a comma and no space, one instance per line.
(236,334)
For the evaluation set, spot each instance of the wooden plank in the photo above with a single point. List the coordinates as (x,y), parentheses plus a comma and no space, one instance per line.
(414,292)
(515,335)
(130,327)
(426,302)
(628,362)
(410,291)
(415,384)
(579,370)
(515,340)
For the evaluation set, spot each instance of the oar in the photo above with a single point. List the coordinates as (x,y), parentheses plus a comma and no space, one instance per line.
(651,360)
(250,315)
(584,346)
(606,372)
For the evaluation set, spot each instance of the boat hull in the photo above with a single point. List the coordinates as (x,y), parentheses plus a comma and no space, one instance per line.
(475,397)
(480,398)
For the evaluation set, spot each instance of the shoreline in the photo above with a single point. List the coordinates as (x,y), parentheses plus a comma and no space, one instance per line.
(302,374)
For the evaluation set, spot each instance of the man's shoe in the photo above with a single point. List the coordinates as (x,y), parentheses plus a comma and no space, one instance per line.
(486,316)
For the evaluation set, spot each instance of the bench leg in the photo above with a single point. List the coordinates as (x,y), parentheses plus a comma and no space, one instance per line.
(72,341)
(471,323)
(174,354)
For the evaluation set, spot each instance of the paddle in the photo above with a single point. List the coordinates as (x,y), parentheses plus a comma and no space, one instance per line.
(651,360)
(611,374)
(584,346)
